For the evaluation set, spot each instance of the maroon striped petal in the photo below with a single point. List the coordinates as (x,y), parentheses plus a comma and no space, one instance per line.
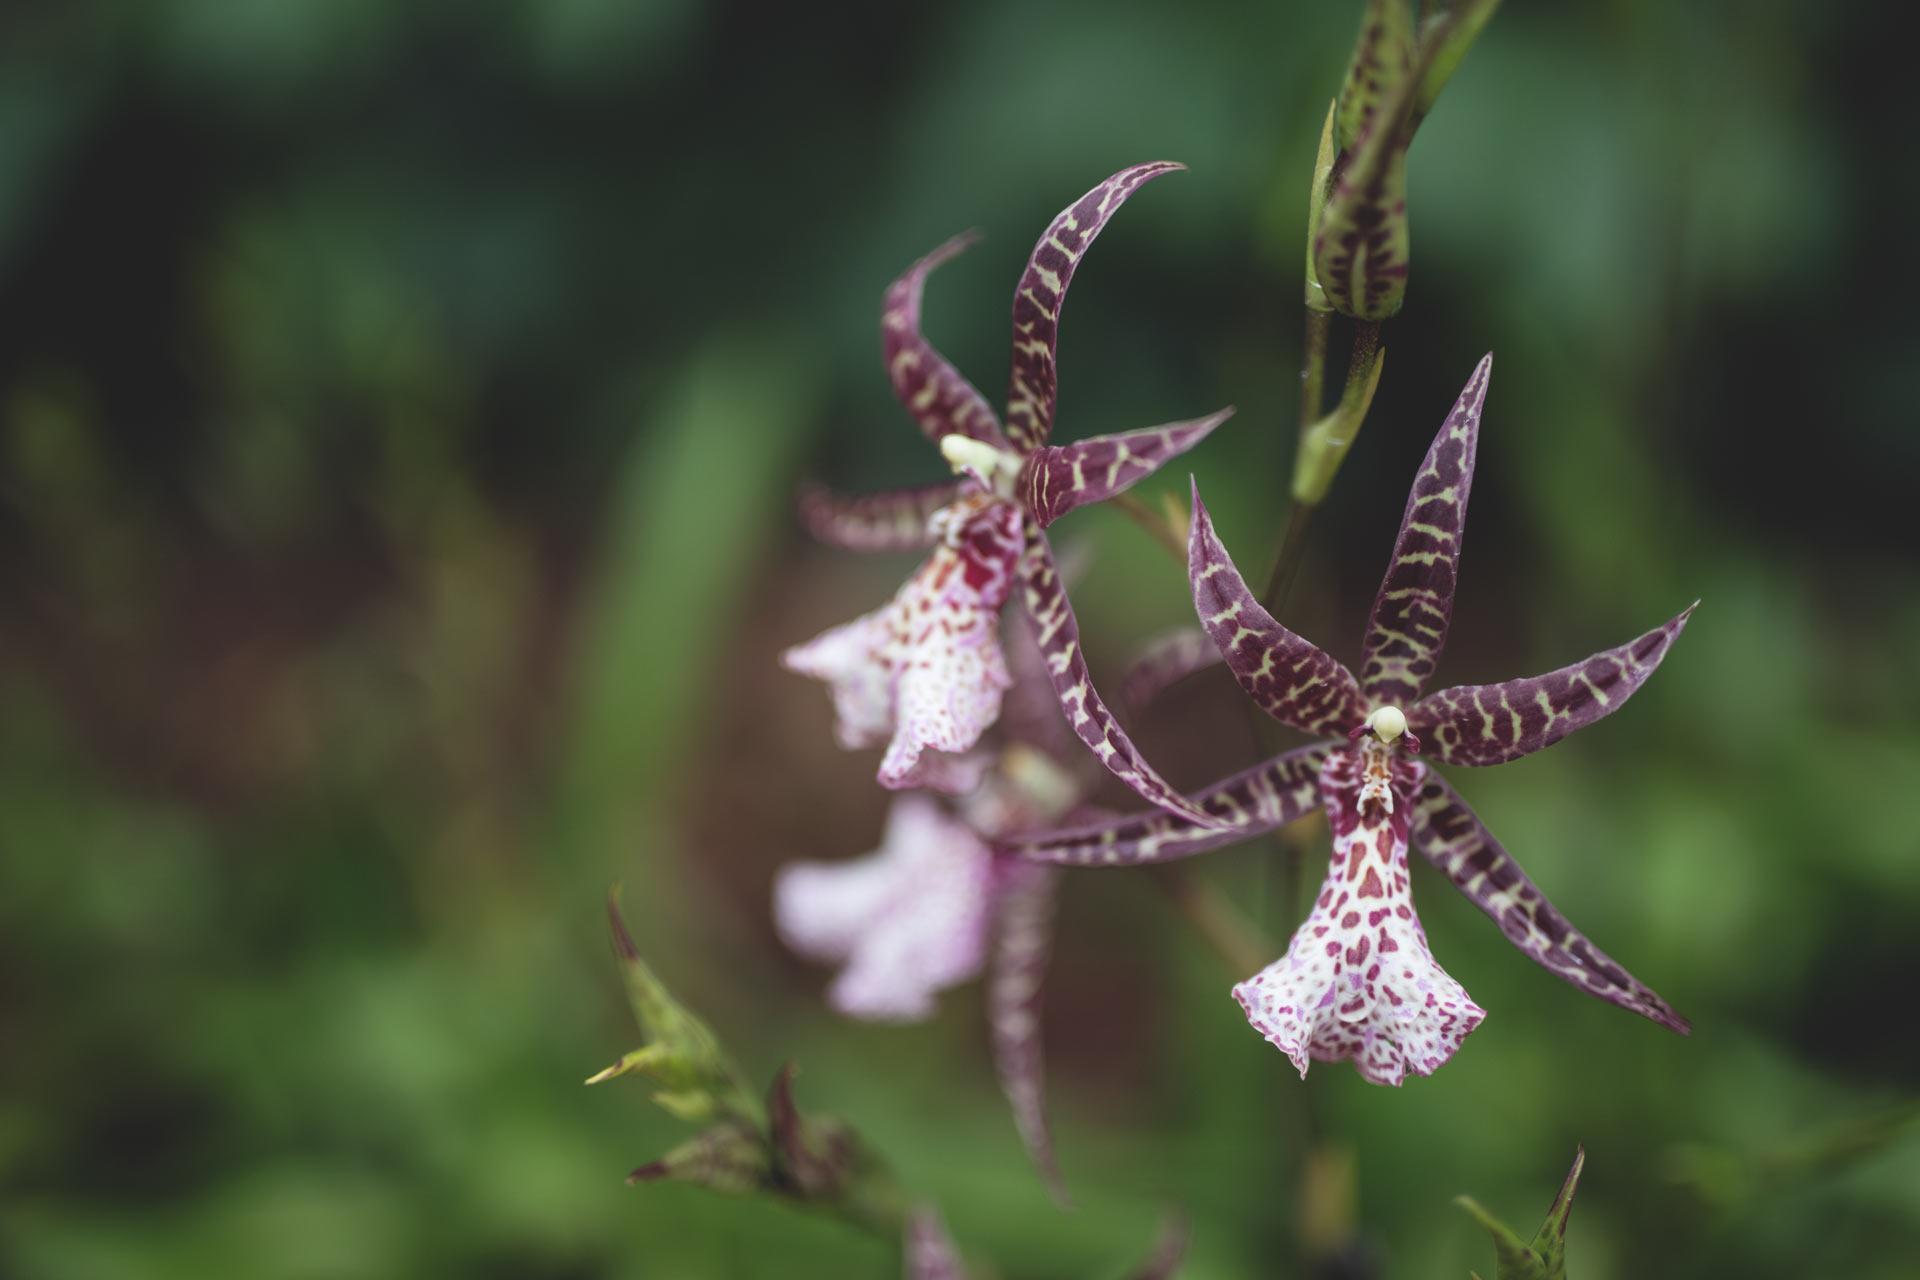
(1059,638)
(1253,802)
(1022,940)
(891,521)
(940,400)
(1482,724)
(1165,662)
(1057,479)
(1292,680)
(1448,835)
(929,1253)
(1410,614)
(1043,289)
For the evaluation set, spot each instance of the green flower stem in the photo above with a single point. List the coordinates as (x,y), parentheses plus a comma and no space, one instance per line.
(1313,365)
(1323,447)
(1225,928)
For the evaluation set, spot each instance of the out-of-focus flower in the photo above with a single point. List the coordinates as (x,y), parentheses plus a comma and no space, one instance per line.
(936,905)
(1358,981)
(925,674)
(907,921)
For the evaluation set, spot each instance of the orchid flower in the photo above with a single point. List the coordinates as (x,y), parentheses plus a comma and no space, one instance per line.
(925,673)
(1358,981)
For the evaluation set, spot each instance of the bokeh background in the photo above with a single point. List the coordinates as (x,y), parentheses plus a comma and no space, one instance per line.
(399,407)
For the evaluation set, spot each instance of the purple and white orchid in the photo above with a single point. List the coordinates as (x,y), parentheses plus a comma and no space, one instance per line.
(1358,981)
(925,674)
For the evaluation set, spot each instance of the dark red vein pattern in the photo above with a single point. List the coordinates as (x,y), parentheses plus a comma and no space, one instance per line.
(892,521)
(1448,835)
(1410,614)
(1255,801)
(1292,680)
(940,400)
(1059,639)
(1042,290)
(1058,479)
(1483,724)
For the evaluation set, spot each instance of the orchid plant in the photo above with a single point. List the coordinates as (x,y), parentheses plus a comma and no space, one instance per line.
(993,745)
(1358,981)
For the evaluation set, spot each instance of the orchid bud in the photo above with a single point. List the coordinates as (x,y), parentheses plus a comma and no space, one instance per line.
(729,1158)
(822,1161)
(681,1055)
(1544,1258)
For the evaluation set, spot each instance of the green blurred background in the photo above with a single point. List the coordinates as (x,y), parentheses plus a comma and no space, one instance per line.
(399,406)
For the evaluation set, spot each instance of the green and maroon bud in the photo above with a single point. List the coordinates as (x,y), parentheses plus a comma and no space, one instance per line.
(821,1161)
(1545,1256)
(682,1056)
(1358,241)
(729,1158)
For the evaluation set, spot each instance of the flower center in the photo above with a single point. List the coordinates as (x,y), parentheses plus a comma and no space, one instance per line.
(1387,725)
(995,469)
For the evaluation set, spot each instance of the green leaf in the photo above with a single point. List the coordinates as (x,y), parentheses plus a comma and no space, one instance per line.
(1544,1258)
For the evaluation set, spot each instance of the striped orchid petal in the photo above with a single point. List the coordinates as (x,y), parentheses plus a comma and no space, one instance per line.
(893,521)
(1017,964)
(1410,614)
(1267,796)
(1291,679)
(1042,290)
(1483,724)
(1163,663)
(1059,638)
(1058,478)
(940,400)
(1448,835)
